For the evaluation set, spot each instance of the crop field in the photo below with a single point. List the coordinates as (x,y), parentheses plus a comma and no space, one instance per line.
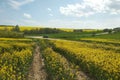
(22,28)
(98,40)
(98,60)
(15,58)
(59,39)
(89,58)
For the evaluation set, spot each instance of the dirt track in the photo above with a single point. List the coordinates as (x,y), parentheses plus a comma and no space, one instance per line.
(37,71)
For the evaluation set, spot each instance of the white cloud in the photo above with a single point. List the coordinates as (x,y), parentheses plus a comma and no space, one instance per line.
(27,15)
(90,7)
(17,4)
(51,14)
(49,9)
(84,24)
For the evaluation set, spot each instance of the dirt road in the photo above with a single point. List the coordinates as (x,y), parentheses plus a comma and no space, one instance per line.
(37,71)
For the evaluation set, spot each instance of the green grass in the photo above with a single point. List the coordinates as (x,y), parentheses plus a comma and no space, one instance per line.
(109,36)
(77,36)
(67,35)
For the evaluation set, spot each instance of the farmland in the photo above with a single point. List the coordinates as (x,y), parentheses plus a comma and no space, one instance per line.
(100,62)
(15,58)
(59,39)
(72,56)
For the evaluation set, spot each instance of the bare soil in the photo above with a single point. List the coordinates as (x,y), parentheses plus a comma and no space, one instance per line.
(37,71)
(82,76)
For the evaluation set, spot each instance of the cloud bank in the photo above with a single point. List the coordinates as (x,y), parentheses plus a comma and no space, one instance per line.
(91,7)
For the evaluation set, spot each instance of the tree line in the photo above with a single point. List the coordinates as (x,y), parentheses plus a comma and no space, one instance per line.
(16,32)
(42,31)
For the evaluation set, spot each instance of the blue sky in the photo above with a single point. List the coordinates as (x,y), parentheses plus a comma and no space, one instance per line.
(61,13)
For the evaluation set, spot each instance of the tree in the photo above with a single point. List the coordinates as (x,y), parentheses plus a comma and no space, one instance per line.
(117,29)
(77,30)
(108,30)
(16,28)
(93,34)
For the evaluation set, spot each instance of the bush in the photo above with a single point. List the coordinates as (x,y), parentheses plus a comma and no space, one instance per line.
(10,34)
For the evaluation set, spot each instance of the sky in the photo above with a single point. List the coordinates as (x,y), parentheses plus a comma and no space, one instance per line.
(79,14)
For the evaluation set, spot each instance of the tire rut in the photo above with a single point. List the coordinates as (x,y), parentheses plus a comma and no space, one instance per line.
(37,71)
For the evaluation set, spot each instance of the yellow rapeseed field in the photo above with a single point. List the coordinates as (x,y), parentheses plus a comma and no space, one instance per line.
(98,62)
(15,58)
